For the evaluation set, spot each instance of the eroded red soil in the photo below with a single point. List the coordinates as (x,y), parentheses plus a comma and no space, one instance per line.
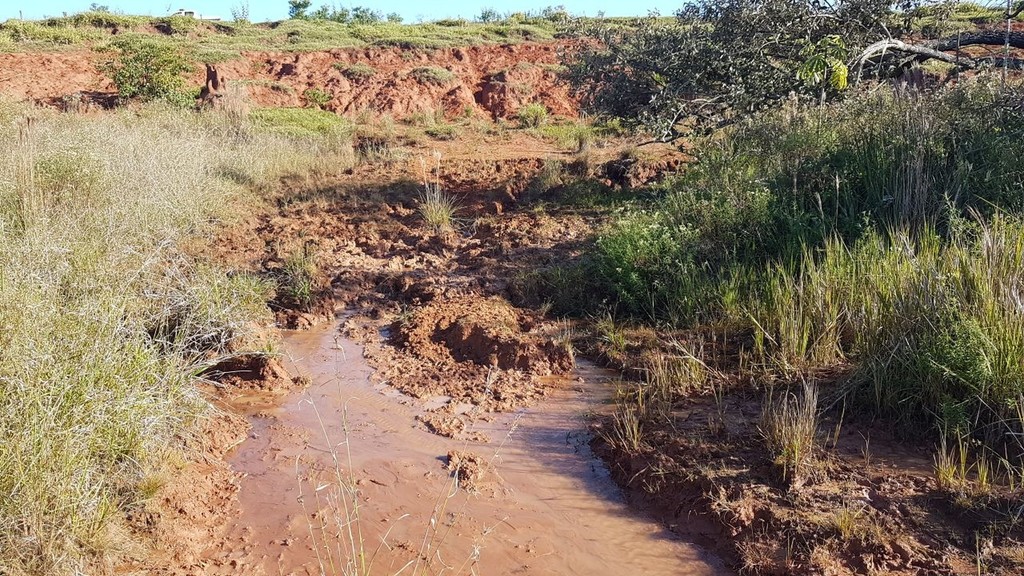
(867,502)
(490,81)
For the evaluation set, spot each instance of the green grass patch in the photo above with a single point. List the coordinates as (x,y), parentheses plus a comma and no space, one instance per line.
(303,122)
(355,71)
(299,35)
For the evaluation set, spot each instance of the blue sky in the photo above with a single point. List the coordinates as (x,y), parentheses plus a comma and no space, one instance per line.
(263,10)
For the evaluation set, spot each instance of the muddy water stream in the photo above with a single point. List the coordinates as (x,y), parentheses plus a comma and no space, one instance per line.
(547,508)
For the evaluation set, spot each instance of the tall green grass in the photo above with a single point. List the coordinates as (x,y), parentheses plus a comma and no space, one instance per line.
(934,326)
(879,237)
(104,322)
(768,190)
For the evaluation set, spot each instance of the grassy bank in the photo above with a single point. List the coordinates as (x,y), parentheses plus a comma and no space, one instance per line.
(105,321)
(821,285)
(878,236)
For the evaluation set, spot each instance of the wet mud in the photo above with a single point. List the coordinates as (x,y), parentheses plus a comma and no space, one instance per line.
(531,500)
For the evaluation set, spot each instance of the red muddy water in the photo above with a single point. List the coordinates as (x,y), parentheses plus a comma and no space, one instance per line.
(543,504)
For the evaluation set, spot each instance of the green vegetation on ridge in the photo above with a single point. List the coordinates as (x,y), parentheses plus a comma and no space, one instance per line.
(219,40)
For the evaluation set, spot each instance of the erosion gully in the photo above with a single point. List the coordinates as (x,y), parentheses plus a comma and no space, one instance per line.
(547,506)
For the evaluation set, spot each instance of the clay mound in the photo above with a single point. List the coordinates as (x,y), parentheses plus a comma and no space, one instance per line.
(468,468)
(253,372)
(481,331)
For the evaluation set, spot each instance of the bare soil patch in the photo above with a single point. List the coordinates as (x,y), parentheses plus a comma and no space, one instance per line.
(867,503)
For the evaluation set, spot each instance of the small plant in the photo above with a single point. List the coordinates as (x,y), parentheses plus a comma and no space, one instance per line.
(627,429)
(951,463)
(789,427)
(983,472)
(848,522)
(672,375)
(532,115)
(612,336)
(298,278)
(317,97)
(627,424)
(436,207)
(432,75)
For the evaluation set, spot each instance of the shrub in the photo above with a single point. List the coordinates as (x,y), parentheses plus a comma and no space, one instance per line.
(317,97)
(432,75)
(356,71)
(532,115)
(147,70)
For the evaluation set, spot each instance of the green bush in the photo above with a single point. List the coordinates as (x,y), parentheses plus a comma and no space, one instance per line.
(317,97)
(432,75)
(532,115)
(148,70)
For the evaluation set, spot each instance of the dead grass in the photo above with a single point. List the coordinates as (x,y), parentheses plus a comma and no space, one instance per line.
(105,320)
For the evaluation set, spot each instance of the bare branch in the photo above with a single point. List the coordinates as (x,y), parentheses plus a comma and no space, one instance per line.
(938,50)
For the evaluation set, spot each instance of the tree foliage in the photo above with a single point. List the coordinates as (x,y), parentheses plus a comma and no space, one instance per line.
(719,60)
(299,10)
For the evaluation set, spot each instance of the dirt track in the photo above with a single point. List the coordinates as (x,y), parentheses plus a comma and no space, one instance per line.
(453,363)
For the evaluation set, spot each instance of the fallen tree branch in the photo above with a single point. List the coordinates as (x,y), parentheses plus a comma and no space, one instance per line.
(939,50)
(985,38)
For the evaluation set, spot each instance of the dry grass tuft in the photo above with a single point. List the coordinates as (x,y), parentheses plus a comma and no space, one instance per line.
(789,427)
